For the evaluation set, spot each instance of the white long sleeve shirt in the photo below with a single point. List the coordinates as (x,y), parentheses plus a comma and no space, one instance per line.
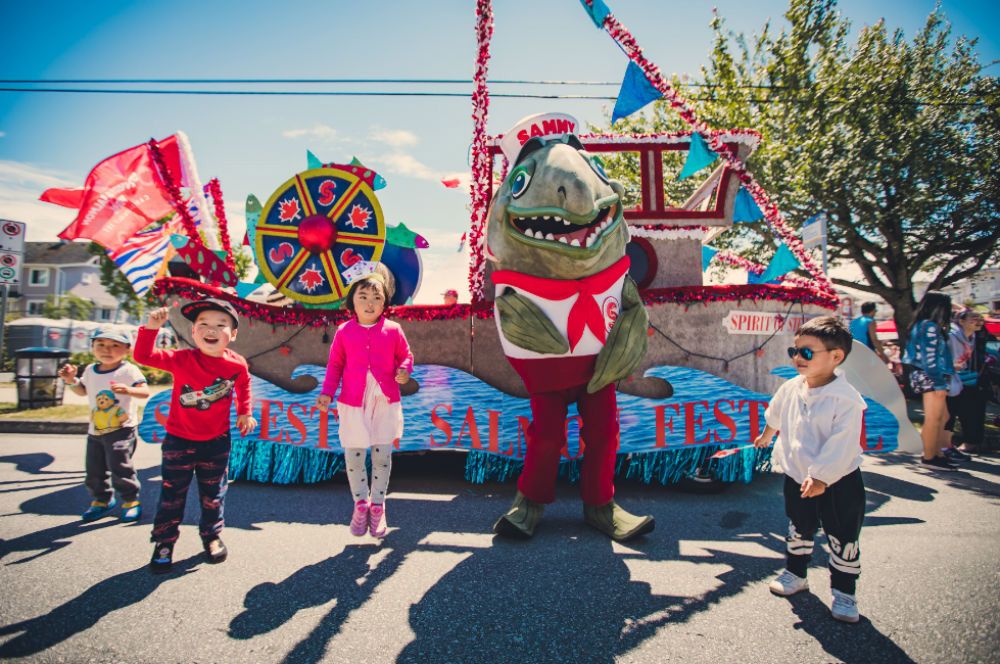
(819,429)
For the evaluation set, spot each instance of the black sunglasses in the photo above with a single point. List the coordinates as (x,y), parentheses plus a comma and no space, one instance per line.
(806,353)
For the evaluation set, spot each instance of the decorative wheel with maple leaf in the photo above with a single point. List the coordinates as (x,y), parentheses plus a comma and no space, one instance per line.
(316,225)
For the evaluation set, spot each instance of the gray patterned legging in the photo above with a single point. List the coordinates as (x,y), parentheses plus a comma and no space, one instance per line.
(357,475)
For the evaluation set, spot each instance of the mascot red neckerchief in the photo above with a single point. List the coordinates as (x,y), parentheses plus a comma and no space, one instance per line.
(570,318)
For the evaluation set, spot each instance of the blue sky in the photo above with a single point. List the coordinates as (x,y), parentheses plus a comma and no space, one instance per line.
(253,143)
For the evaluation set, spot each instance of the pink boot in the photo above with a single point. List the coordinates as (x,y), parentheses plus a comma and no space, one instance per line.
(376,520)
(359,520)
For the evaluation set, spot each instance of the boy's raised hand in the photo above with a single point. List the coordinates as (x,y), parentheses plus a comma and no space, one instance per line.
(67,372)
(323,402)
(157,317)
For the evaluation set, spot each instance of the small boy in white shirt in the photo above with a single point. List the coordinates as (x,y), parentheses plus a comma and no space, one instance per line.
(819,419)
(113,387)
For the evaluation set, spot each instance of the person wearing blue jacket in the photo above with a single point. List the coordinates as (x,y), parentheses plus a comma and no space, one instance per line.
(929,355)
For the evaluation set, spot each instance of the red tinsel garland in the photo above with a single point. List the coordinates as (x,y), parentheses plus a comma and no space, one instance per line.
(285,316)
(481,178)
(220,214)
(734,293)
(173,191)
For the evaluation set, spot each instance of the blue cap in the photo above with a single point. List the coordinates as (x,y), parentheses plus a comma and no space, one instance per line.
(113,334)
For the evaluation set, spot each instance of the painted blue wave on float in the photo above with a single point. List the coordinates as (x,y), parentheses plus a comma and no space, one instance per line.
(455,410)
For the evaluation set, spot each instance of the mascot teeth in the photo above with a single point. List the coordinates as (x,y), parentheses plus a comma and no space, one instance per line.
(554,228)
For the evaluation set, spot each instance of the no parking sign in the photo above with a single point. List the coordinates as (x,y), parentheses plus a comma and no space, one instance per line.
(11,252)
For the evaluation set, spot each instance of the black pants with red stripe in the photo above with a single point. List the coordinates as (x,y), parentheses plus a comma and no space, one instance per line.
(840,510)
(182,460)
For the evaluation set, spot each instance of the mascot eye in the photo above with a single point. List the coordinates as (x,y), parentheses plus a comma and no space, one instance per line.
(519,181)
(598,166)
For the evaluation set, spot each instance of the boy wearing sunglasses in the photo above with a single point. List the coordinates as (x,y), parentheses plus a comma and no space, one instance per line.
(819,420)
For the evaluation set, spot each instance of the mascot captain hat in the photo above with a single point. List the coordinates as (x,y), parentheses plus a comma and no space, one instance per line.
(542,125)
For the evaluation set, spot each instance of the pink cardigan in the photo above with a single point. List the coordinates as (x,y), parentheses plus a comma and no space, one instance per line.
(381,348)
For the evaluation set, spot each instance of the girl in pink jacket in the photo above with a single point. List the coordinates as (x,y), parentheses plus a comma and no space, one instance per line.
(369,360)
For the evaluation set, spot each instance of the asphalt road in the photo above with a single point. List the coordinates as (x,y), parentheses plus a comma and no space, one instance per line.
(439,588)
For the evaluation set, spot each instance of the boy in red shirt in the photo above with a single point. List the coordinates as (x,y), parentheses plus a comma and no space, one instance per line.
(198,439)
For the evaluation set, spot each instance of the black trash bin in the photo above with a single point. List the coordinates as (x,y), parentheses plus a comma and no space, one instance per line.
(36,372)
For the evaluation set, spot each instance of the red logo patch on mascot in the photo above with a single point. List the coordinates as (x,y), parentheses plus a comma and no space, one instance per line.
(610,309)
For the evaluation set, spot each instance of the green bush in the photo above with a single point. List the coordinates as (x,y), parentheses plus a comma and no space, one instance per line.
(153,376)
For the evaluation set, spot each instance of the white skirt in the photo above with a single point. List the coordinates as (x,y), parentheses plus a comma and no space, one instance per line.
(375,422)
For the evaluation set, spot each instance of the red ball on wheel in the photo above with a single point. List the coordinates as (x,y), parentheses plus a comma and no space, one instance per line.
(317,234)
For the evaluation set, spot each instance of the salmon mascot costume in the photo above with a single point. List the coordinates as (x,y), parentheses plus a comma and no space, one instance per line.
(570,319)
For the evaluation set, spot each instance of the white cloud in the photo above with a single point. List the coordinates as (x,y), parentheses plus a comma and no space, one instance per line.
(2,134)
(320,132)
(15,172)
(20,186)
(396,138)
(405,164)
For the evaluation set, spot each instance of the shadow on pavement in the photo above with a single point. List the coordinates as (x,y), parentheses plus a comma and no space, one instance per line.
(565,595)
(847,643)
(83,612)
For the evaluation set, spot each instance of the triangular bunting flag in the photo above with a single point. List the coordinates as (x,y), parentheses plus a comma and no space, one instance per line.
(698,157)
(312,161)
(784,261)
(635,93)
(745,208)
(707,254)
(597,11)
(243,288)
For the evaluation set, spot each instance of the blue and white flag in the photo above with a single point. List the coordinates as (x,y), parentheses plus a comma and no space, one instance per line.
(142,256)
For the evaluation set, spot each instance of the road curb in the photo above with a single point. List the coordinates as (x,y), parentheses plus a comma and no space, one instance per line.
(42,426)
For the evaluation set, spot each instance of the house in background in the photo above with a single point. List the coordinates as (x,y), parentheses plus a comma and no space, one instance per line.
(59,268)
(983,289)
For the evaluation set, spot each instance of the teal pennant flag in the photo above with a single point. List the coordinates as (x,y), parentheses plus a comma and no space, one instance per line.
(635,93)
(244,288)
(698,157)
(597,11)
(745,207)
(707,254)
(784,261)
(312,161)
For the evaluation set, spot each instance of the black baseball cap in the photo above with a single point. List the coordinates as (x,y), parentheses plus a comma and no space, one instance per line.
(192,310)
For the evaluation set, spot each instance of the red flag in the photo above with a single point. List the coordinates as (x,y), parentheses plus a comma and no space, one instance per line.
(122,195)
(71,197)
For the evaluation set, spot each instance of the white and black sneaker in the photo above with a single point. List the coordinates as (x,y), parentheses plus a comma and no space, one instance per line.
(787,584)
(845,607)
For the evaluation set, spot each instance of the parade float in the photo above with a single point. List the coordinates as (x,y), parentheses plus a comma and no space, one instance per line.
(691,408)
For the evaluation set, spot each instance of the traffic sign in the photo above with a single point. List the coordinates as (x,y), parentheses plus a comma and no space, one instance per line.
(12,236)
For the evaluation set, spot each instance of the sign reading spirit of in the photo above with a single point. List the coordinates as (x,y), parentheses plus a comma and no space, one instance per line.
(455,410)
(762,322)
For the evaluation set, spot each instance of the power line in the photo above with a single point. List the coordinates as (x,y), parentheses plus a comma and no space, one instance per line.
(299,93)
(501,95)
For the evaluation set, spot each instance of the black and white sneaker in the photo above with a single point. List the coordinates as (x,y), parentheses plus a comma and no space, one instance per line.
(163,558)
(939,463)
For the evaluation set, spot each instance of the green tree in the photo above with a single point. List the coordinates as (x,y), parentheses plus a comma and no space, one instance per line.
(115,282)
(67,306)
(896,141)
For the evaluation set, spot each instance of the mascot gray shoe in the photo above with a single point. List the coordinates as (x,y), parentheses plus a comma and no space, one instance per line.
(615,522)
(521,519)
